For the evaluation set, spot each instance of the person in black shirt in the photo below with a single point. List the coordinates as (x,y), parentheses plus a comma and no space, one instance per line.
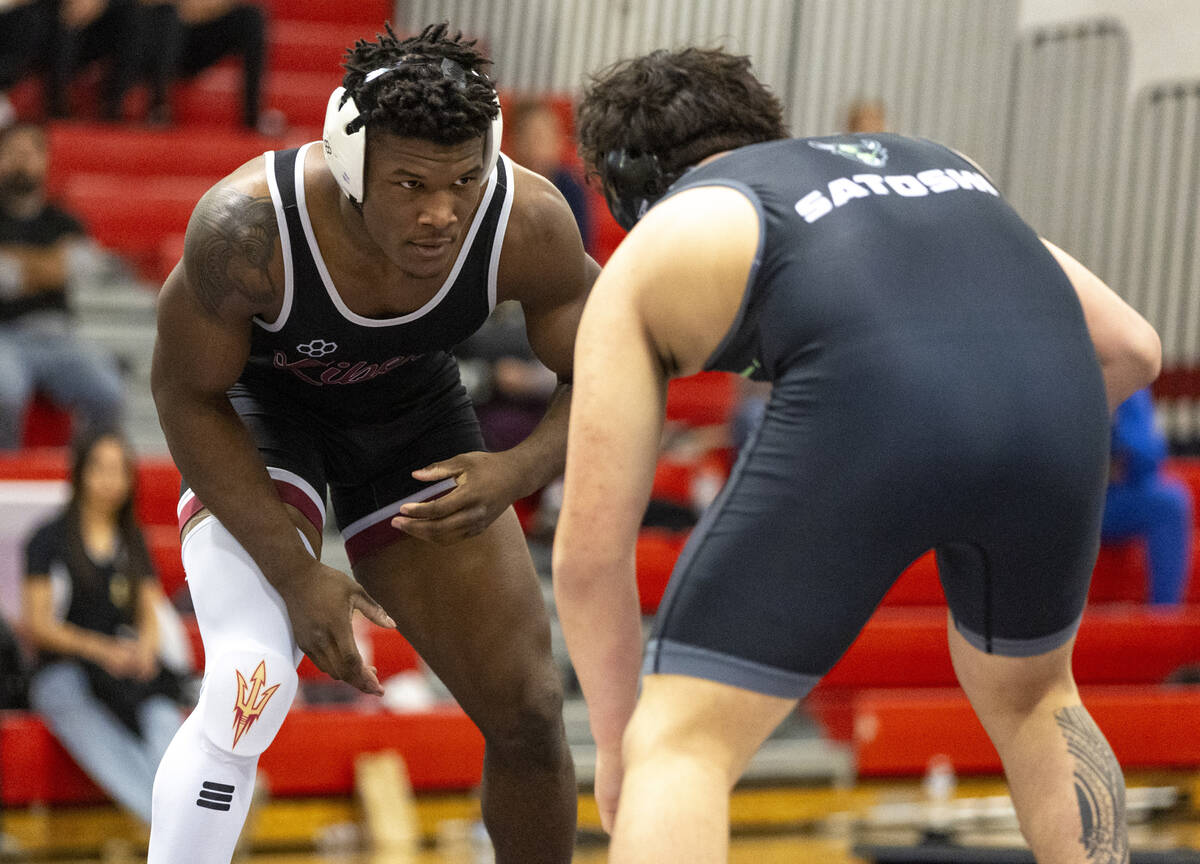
(181,38)
(941,377)
(40,247)
(88,31)
(89,608)
(25,27)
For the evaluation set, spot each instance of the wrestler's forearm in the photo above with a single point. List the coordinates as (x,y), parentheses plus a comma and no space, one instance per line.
(541,456)
(601,622)
(220,463)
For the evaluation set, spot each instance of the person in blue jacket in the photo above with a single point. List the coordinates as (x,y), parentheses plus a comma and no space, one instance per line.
(1144,503)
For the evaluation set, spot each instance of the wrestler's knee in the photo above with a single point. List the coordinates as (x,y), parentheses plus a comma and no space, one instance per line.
(247,694)
(529,728)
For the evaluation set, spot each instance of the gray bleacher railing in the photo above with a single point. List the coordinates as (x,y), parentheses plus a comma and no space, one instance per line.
(939,66)
(1153,251)
(1066,104)
(551,45)
(1045,111)
(522,37)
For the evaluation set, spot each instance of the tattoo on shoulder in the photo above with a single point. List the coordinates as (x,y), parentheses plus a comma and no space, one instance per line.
(1099,787)
(229,248)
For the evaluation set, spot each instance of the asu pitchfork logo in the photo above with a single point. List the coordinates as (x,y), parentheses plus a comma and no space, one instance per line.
(251,700)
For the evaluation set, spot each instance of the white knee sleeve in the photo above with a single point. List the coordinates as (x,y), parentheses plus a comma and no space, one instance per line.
(206,779)
(250,655)
(246,697)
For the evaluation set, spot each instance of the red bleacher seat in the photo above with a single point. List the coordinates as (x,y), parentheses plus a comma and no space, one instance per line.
(133,225)
(1175,382)
(1120,574)
(673,480)
(133,151)
(705,399)
(441,748)
(897,732)
(157,492)
(46,424)
(656,552)
(215,97)
(313,46)
(1119,577)
(163,543)
(37,463)
(313,754)
(1135,644)
(36,768)
(906,647)
(367,14)
(606,233)
(157,479)
(1188,471)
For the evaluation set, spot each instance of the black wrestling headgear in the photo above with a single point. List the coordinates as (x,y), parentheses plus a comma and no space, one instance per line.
(633,182)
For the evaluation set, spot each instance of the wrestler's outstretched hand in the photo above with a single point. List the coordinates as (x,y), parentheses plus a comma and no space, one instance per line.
(485,486)
(320,603)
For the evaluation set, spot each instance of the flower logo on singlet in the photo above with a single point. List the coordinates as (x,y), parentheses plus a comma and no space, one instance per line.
(317,348)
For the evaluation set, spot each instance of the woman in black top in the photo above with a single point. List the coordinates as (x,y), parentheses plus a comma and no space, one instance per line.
(90,597)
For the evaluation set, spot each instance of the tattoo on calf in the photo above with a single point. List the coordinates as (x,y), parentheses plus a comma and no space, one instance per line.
(1099,787)
(229,247)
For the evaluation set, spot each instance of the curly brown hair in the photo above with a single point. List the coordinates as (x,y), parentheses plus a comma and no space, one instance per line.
(420,98)
(679,105)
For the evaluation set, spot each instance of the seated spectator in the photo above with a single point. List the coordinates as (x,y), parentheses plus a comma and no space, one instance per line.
(1144,504)
(90,610)
(184,37)
(25,27)
(89,31)
(40,247)
(537,140)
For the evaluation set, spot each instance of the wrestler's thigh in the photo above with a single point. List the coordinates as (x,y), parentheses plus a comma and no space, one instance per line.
(473,610)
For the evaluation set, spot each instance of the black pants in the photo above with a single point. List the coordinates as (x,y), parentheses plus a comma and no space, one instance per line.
(112,37)
(24,34)
(174,49)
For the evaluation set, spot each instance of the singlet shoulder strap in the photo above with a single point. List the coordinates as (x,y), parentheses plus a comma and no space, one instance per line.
(281,180)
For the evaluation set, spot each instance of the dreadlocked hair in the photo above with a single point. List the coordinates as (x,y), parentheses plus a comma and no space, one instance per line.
(679,105)
(418,100)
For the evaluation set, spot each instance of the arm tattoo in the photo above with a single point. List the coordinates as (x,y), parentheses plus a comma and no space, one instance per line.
(1099,786)
(229,247)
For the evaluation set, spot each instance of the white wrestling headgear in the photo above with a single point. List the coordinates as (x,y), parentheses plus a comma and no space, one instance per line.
(345,137)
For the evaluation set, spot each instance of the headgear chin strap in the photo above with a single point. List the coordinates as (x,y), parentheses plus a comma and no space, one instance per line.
(633,182)
(345,136)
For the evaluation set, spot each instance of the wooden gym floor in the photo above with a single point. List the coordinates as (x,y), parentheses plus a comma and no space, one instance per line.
(783,824)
